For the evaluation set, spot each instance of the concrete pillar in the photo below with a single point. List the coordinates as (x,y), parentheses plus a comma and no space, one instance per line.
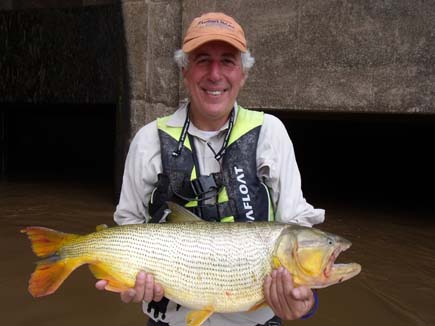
(152,34)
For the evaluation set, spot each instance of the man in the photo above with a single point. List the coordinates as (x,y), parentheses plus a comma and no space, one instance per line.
(223,162)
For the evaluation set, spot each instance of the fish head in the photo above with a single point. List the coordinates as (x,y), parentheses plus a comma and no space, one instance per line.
(309,255)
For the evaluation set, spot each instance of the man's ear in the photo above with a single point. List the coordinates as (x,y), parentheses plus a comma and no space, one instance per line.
(243,80)
(184,72)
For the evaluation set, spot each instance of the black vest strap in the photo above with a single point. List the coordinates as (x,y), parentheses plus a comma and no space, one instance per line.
(214,213)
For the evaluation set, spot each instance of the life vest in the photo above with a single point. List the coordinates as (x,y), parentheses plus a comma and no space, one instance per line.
(240,195)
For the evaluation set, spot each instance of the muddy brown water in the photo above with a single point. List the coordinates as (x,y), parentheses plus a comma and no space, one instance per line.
(395,247)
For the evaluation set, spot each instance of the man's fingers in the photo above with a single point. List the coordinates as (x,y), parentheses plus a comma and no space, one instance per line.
(127,296)
(144,289)
(139,287)
(288,282)
(305,296)
(274,292)
(285,286)
(301,293)
(149,288)
(288,287)
(158,293)
(287,302)
(266,288)
(101,285)
(284,283)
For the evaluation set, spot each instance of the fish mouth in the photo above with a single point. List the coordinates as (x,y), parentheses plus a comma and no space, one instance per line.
(330,265)
(337,273)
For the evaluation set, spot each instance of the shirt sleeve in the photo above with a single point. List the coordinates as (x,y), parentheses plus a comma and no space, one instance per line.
(142,166)
(278,168)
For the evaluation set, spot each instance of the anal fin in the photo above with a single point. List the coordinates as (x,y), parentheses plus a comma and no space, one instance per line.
(197,317)
(257,306)
(102,272)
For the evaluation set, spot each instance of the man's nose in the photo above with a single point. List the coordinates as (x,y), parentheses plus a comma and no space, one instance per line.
(215,70)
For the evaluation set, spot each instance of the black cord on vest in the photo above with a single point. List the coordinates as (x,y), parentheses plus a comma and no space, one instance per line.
(186,125)
(206,195)
(221,152)
(180,145)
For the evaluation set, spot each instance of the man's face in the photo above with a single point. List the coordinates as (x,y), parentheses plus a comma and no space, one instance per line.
(213,79)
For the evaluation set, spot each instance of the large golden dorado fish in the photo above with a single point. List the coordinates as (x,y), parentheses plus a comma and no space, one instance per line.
(208,267)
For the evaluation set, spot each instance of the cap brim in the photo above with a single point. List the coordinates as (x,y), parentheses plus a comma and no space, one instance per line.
(192,44)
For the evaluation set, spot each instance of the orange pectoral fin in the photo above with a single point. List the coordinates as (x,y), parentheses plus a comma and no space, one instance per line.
(197,317)
(115,284)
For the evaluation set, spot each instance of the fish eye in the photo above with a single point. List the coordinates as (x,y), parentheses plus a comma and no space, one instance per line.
(330,241)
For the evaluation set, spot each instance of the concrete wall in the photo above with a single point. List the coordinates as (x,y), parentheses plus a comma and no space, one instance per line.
(152,31)
(336,55)
(38,4)
(348,56)
(311,55)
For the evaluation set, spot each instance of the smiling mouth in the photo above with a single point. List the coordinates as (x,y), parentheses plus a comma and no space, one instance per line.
(214,92)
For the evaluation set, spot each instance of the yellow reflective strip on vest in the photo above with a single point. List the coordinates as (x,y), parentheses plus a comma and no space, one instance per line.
(174,132)
(228,219)
(193,174)
(193,203)
(222,198)
(251,120)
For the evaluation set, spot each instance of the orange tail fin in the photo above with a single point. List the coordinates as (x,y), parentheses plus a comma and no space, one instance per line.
(52,271)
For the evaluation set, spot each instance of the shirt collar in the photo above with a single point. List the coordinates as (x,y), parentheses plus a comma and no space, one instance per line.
(178,118)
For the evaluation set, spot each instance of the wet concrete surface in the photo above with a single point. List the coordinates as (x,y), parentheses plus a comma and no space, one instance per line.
(395,247)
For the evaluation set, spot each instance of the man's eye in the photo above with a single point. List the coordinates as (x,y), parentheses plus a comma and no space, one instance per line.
(228,62)
(202,61)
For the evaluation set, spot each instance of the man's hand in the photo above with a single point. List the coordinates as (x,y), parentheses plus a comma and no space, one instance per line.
(287,302)
(144,289)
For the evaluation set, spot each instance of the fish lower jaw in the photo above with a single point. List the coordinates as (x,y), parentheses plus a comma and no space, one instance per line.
(338,273)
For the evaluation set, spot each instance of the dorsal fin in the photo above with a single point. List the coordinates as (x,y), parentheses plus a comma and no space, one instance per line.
(181,215)
(101,227)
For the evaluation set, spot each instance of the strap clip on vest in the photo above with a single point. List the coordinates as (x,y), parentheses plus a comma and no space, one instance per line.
(205,184)
(209,213)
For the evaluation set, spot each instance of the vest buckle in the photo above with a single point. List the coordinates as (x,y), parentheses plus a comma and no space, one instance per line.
(205,184)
